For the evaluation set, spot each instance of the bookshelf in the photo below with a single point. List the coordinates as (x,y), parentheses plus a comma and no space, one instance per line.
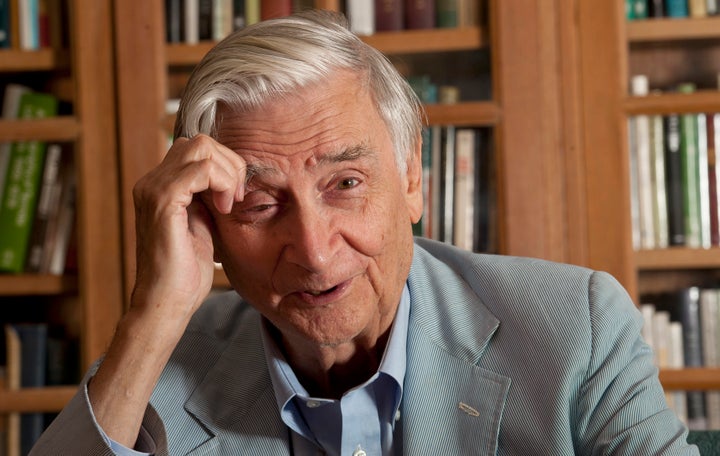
(668,51)
(82,74)
(530,193)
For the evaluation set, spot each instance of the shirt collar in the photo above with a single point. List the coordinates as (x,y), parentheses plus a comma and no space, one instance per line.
(393,363)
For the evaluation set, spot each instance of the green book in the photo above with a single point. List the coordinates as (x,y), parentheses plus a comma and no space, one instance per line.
(22,185)
(690,173)
(446,12)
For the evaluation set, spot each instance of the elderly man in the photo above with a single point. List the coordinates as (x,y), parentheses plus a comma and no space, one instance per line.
(297,166)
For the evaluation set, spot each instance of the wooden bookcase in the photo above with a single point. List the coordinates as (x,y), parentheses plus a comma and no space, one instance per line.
(612,50)
(83,75)
(526,96)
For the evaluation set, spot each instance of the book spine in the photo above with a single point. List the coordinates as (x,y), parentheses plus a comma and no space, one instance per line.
(676,8)
(190,21)
(389,15)
(361,16)
(640,9)
(17,208)
(673,180)
(47,207)
(446,13)
(252,11)
(463,210)
(436,187)
(714,139)
(239,21)
(174,21)
(656,8)
(660,209)
(643,164)
(221,19)
(697,8)
(420,14)
(703,181)
(689,304)
(5,24)
(205,20)
(712,7)
(270,9)
(448,166)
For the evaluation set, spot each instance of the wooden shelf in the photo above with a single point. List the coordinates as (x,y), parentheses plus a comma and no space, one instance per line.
(48,399)
(403,42)
(668,103)
(678,258)
(61,128)
(37,285)
(475,113)
(654,30)
(690,379)
(12,60)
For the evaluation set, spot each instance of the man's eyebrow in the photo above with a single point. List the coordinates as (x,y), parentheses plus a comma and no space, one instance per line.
(351,153)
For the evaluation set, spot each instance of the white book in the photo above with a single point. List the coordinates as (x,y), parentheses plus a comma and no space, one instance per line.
(191,13)
(703,181)
(710,330)
(448,161)
(29,24)
(634,197)
(659,190)
(648,311)
(464,210)
(712,7)
(644,178)
(661,329)
(361,16)
(222,25)
(436,182)
(679,398)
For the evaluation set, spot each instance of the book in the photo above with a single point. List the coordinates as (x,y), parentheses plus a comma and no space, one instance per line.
(205,20)
(656,8)
(697,8)
(10,109)
(190,21)
(222,19)
(690,174)
(703,181)
(270,9)
(361,16)
(643,168)
(28,23)
(688,308)
(58,242)
(419,14)
(673,180)
(174,21)
(389,15)
(634,185)
(710,329)
(5,24)
(28,348)
(713,145)
(436,183)
(713,7)
(447,166)
(464,190)
(239,21)
(676,8)
(446,12)
(22,185)
(252,11)
(676,361)
(640,9)
(47,209)
(659,188)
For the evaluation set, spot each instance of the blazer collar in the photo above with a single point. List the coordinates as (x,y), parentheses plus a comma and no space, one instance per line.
(450,404)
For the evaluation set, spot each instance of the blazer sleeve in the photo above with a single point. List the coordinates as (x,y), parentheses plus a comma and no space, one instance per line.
(622,403)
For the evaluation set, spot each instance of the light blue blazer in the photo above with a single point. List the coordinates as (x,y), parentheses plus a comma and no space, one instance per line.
(505,356)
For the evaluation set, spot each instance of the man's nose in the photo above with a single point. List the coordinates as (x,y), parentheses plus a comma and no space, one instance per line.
(312,239)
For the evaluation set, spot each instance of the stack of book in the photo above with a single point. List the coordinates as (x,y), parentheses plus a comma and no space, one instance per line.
(369,16)
(31,24)
(675,194)
(683,329)
(37,192)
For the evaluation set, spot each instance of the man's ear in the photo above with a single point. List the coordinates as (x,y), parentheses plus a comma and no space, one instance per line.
(414,186)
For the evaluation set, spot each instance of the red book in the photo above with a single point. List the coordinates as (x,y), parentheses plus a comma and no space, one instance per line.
(419,14)
(270,9)
(389,15)
(713,137)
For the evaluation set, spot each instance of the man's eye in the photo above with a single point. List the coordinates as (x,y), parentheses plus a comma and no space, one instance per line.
(259,208)
(346,183)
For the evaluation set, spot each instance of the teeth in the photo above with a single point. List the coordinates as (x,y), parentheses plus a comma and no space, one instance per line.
(315,293)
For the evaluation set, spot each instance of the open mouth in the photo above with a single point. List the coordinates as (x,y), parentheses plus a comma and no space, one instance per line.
(322,292)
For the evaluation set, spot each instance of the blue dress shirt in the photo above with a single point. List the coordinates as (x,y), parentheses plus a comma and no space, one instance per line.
(360,423)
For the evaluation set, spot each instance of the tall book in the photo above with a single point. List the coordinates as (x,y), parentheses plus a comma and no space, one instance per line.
(436,183)
(447,166)
(697,8)
(47,209)
(174,21)
(5,24)
(270,9)
(22,185)
(252,11)
(389,15)
(27,347)
(640,9)
(690,167)
(239,19)
(634,184)
(689,315)
(656,8)
(710,329)
(419,14)
(713,7)
(29,24)
(659,188)
(361,16)
(222,19)
(673,180)
(58,242)
(465,173)
(641,124)
(191,21)
(713,144)
(677,361)
(703,178)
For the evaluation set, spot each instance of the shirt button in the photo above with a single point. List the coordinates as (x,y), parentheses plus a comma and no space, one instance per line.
(313,404)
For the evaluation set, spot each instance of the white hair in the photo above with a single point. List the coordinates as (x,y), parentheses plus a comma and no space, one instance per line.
(266,60)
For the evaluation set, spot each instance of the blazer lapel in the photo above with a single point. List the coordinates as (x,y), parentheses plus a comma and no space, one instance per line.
(235,402)
(450,404)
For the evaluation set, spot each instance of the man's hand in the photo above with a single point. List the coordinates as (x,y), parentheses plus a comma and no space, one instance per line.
(174,275)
